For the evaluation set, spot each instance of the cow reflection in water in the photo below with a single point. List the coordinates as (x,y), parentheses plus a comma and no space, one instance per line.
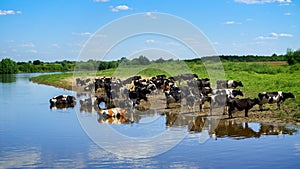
(242,130)
(114,120)
(194,123)
(224,128)
(61,106)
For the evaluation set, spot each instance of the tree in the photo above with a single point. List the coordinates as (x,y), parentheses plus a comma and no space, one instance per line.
(293,57)
(160,60)
(8,66)
(37,62)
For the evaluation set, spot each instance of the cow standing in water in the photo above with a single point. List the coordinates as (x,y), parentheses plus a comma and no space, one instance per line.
(62,99)
(273,97)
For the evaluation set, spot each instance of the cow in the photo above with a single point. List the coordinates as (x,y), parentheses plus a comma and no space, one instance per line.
(228,84)
(139,94)
(273,97)
(185,77)
(199,98)
(173,95)
(130,79)
(114,120)
(230,93)
(80,82)
(200,83)
(89,104)
(220,97)
(241,104)
(113,112)
(63,99)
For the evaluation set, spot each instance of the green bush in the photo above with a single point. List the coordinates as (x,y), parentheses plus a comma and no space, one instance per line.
(8,66)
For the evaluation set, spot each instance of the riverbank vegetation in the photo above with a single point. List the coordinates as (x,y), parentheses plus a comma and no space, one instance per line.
(8,66)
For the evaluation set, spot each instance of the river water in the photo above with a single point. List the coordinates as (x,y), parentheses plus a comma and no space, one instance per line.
(33,135)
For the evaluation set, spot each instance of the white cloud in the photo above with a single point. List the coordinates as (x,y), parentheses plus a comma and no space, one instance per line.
(119,8)
(30,156)
(87,34)
(150,15)
(55,45)
(9,12)
(232,23)
(273,36)
(101,0)
(287,14)
(28,45)
(32,51)
(263,1)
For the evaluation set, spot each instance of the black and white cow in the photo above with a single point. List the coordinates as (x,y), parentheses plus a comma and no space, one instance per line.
(65,100)
(140,93)
(230,93)
(241,104)
(185,77)
(173,95)
(220,98)
(228,84)
(273,97)
(197,98)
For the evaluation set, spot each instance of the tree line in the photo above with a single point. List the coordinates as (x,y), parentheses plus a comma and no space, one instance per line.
(8,66)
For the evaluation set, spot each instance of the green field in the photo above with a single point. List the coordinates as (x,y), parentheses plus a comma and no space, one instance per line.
(256,77)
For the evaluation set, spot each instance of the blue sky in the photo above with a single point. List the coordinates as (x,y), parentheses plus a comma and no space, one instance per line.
(57,30)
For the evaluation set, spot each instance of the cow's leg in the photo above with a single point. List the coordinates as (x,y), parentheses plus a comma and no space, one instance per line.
(201,106)
(211,107)
(230,114)
(167,104)
(261,107)
(246,112)
(225,110)
(278,105)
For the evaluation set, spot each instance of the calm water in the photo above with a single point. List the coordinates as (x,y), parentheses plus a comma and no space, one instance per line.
(33,135)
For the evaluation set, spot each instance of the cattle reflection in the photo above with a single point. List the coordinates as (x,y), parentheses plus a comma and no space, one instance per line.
(242,130)
(224,128)
(194,123)
(89,104)
(234,130)
(61,106)
(114,120)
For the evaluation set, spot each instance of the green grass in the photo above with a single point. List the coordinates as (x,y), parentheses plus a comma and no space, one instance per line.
(57,80)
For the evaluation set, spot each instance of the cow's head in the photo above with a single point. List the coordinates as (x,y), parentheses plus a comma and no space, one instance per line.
(239,83)
(237,93)
(256,101)
(288,95)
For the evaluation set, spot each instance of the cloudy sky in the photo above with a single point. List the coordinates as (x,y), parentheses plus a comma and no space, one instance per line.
(57,30)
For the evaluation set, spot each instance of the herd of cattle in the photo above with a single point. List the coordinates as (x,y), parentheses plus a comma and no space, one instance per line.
(112,93)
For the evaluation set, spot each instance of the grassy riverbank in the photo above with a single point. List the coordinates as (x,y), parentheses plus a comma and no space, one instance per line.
(256,77)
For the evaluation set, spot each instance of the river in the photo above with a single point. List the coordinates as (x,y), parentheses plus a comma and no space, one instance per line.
(33,135)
